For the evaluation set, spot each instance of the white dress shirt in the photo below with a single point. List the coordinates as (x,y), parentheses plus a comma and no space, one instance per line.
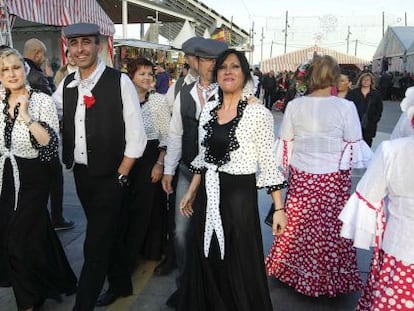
(135,137)
(175,131)
(321,135)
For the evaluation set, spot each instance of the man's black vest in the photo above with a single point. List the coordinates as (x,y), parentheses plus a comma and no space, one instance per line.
(104,124)
(189,145)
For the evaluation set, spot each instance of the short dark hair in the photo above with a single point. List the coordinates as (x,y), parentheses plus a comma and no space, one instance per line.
(137,63)
(245,67)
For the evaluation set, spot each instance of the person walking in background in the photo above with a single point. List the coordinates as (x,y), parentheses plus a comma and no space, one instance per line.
(319,142)
(32,259)
(182,142)
(162,79)
(66,69)
(35,57)
(344,85)
(146,201)
(225,269)
(103,134)
(388,227)
(269,86)
(369,105)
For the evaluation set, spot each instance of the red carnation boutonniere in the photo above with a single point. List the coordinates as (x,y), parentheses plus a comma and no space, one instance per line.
(89,101)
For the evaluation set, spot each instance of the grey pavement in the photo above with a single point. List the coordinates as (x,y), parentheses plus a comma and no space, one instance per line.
(151,292)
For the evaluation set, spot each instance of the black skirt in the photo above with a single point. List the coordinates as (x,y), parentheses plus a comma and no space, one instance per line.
(146,231)
(239,282)
(32,259)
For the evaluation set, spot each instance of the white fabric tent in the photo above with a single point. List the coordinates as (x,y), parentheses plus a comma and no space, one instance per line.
(410,59)
(393,47)
(186,32)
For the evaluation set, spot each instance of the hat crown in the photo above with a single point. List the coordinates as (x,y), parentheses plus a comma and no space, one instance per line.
(81,30)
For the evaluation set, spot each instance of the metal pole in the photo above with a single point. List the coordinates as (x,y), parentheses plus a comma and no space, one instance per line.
(251,44)
(405,18)
(383,23)
(356,46)
(261,46)
(271,49)
(347,39)
(286,30)
(124,18)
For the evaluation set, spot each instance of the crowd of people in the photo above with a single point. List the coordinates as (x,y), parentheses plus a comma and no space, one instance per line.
(171,172)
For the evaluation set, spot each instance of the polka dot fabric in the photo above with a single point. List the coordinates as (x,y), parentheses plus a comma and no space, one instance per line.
(310,256)
(390,285)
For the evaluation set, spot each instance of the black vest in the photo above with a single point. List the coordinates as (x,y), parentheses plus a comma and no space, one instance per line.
(189,145)
(104,124)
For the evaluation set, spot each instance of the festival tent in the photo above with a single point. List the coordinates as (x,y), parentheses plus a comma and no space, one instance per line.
(410,59)
(391,53)
(290,61)
(186,32)
(44,19)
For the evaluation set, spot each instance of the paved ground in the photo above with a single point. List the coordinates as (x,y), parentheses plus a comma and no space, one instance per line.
(151,292)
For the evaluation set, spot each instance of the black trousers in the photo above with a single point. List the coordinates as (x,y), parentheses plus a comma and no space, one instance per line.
(101,198)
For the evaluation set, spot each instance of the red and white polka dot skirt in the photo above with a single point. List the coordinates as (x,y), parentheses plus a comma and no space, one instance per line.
(390,285)
(310,256)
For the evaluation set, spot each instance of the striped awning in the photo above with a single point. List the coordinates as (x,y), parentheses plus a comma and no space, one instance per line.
(62,13)
(290,61)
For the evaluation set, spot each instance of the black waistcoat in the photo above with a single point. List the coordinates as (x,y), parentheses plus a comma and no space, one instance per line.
(104,124)
(189,143)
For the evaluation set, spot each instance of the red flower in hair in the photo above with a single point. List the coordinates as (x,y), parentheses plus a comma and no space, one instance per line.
(89,101)
(412,121)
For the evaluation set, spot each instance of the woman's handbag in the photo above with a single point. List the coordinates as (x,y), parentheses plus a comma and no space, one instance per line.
(269,217)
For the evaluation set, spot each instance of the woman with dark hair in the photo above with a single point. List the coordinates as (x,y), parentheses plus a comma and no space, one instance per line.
(369,105)
(146,203)
(226,265)
(344,85)
(32,259)
(319,142)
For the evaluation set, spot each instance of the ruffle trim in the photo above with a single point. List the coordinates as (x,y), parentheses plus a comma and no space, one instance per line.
(274,188)
(49,151)
(196,170)
(233,145)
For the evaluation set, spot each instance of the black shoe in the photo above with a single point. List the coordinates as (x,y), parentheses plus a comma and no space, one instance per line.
(172,301)
(64,225)
(108,298)
(166,266)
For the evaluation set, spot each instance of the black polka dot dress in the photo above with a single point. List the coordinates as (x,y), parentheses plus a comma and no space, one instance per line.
(32,259)
(226,264)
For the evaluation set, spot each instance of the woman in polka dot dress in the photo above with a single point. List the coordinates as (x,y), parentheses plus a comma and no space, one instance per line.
(390,284)
(320,140)
(225,270)
(32,259)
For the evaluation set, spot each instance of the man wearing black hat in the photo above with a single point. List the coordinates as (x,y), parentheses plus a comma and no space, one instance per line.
(103,134)
(168,262)
(182,146)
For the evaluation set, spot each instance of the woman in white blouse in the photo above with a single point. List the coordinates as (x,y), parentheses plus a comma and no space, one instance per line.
(320,141)
(32,260)
(390,173)
(226,265)
(146,203)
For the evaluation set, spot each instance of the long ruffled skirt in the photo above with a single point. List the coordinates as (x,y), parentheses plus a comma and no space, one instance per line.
(310,255)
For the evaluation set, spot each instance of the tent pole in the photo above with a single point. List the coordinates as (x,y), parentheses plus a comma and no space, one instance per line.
(124,18)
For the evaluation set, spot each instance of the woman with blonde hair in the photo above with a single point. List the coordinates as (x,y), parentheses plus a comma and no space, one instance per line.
(32,259)
(369,105)
(319,142)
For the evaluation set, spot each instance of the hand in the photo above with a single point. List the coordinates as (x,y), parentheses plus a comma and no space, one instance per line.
(279,222)
(23,103)
(48,69)
(186,204)
(167,183)
(156,173)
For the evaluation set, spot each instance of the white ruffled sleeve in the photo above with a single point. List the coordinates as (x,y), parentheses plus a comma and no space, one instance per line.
(285,141)
(362,214)
(355,151)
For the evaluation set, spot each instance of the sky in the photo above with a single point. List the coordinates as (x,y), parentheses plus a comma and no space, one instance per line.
(351,26)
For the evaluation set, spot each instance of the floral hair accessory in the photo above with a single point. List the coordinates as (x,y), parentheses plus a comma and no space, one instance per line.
(89,101)
(301,78)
